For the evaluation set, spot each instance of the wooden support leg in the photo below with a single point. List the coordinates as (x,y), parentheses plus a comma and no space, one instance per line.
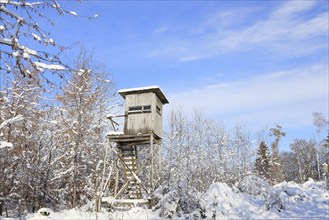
(100,193)
(116,177)
(108,180)
(152,163)
(160,159)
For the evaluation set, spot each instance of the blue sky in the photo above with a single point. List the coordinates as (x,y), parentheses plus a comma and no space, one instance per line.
(257,62)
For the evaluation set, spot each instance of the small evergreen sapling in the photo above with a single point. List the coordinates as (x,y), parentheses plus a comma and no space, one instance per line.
(263,164)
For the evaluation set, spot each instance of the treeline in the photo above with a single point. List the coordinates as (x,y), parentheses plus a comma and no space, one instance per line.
(52,143)
(52,147)
(199,151)
(52,150)
(52,113)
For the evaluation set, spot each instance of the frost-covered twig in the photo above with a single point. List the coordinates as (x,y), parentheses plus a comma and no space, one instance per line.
(16,28)
(11,121)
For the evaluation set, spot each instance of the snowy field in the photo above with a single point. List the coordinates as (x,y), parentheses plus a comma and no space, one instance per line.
(250,199)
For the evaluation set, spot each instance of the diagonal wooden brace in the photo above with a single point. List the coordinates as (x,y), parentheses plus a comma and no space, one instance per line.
(132,172)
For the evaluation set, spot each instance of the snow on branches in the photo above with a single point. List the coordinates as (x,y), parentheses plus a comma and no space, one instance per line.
(24,43)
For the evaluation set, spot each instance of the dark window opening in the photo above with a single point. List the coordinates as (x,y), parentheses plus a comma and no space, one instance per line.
(158,110)
(135,109)
(139,109)
(146,108)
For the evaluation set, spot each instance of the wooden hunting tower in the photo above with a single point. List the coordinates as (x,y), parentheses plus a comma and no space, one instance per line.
(143,111)
(142,128)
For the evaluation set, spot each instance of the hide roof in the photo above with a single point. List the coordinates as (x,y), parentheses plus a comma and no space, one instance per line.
(140,90)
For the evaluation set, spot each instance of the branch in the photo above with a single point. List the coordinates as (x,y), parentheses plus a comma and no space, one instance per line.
(10,13)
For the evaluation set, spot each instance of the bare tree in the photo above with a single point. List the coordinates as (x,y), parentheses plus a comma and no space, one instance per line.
(290,166)
(23,117)
(320,123)
(174,147)
(277,133)
(200,151)
(221,152)
(306,155)
(83,108)
(244,153)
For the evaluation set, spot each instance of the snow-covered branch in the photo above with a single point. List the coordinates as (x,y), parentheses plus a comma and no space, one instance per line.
(19,24)
(11,121)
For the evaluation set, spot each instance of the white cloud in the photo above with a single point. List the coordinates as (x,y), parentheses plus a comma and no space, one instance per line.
(282,34)
(291,8)
(289,97)
(189,58)
(161,29)
(224,19)
(286,31)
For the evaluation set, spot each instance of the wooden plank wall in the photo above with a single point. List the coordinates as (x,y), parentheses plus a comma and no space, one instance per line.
(157,118)
(143,123)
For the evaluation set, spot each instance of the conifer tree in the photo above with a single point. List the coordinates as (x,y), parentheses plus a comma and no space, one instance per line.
(263,165)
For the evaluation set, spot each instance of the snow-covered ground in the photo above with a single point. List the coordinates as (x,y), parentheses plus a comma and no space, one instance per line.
(252,198)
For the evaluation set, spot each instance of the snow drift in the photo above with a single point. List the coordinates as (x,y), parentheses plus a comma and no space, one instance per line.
(251,198)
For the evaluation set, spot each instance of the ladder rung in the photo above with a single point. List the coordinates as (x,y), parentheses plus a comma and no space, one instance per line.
(128,173)
(127,150)
(130,162)
(133,188)
(131,165)
(134,193)
(128,156)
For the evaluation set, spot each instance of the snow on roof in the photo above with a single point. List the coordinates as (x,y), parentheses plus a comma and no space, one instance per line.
(155,89)
(139,89)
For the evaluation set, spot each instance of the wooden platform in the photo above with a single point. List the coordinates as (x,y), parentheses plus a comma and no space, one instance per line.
(127,140)
(124,202)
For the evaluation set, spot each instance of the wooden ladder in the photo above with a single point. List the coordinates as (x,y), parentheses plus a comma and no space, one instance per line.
(129,156)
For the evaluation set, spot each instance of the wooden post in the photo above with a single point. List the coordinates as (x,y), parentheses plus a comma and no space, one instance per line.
(19,209)
(108,180)
(100,192)
(116,177)
(1,206)
(159,145)
(152,159)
